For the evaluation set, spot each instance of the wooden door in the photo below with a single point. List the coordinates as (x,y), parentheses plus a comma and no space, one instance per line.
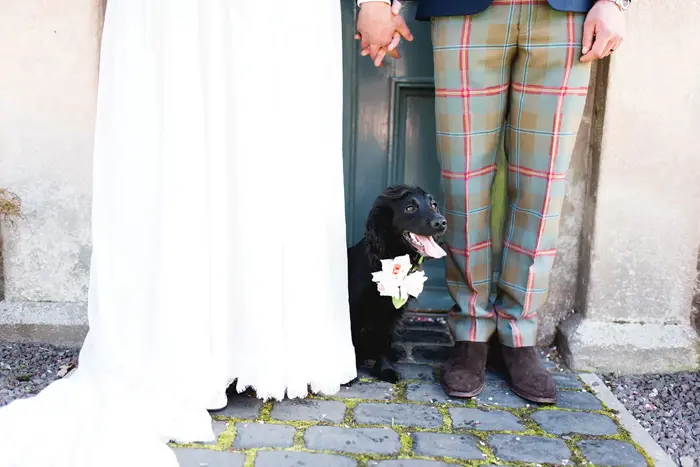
(390,132)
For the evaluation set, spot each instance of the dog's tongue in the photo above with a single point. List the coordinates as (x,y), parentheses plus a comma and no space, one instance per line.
(431,247)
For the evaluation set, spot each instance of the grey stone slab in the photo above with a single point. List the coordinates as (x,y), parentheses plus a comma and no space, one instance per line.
(498,395)
(599,344)
(307,459)
(566,381)
(365,372)
(416,322)
(558,422)
(367,391)
(514,448)
(430,393)
(611,452)
(485,420)
(578,400)
(548,364)
(218,427)
(398,352)
(416,371)
(308,410)
(263,435)
(398,414)
(431,353)
(495,377)
(242,406)
(352,440)
(446,445)
(409,463)
(207,457)
(426,336)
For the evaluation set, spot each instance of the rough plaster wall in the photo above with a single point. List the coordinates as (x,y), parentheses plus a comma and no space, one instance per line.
(49,58)
(646,232)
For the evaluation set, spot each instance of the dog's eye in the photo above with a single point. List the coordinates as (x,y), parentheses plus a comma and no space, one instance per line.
(410,208)
(435,206)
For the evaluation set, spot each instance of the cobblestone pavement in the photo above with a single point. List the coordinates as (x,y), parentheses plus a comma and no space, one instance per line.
(414,424)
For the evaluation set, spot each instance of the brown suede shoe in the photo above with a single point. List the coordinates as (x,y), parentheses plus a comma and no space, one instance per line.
(527,377)
(463,373)
(494,359)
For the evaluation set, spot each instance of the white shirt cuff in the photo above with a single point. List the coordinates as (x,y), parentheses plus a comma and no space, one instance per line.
(360,2)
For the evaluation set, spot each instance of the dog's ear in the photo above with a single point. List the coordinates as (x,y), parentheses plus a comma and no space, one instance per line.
(376,231)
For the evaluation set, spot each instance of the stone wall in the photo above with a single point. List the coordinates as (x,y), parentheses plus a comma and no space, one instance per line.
(49,54)
(641,230)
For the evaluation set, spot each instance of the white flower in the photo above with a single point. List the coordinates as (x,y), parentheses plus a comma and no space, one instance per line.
(390,278)
(413,284)
(386,284)
(397,267)
(396,280)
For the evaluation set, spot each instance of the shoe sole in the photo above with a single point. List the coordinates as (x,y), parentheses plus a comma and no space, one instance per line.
(536,399)
(463,395)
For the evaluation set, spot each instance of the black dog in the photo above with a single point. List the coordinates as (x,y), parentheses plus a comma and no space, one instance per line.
(403,221)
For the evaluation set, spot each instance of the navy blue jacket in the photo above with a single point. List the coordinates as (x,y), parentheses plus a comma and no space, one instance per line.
(434,8)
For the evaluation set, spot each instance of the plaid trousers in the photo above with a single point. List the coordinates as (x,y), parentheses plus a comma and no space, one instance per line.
(508,76)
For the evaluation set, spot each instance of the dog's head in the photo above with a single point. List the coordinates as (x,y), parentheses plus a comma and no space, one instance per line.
(404,220)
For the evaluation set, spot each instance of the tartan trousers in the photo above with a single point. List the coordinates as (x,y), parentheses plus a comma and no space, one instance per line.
(508,76)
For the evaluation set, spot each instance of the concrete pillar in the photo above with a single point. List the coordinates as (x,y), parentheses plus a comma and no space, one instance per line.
(49,53)
(641,228)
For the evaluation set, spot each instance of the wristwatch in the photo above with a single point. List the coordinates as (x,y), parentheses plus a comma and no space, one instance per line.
(621,4)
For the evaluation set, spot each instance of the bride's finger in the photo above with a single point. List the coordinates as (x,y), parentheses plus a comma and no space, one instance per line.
(396,7)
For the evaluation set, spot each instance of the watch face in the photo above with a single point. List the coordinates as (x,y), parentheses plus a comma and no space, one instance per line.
(625,3)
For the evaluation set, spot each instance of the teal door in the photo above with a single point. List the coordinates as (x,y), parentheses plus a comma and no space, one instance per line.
(390,133)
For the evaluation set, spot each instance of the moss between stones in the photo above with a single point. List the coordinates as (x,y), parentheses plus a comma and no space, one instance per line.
(446,419)
(350,405)
(406,444)
(265,411)
(250,458)
(226,439)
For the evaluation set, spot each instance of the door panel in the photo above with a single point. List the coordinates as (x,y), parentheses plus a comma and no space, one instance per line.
(390,132)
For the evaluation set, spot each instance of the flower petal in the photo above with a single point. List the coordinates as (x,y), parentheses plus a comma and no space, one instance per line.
(414,282)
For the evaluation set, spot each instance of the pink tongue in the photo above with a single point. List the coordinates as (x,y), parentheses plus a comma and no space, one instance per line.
(431,247)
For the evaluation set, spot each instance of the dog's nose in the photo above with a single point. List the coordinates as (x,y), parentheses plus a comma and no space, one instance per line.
(439,224)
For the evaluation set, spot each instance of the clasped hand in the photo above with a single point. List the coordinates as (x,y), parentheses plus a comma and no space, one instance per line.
(380,29)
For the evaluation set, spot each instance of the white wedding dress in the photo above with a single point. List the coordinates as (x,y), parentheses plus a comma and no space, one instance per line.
(218,230)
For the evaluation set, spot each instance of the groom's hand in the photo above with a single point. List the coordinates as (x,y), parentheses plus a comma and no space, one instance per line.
(380,29)
(603,31)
